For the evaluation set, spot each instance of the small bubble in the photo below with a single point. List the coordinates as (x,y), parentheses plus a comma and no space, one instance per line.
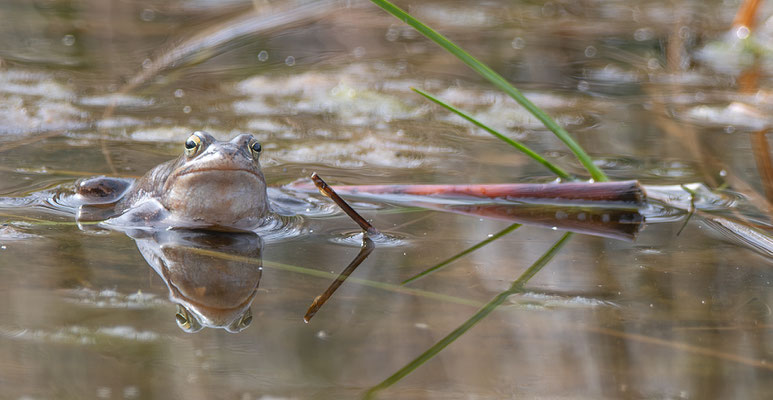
(290,61)
(146,63)
(68,40)
(722,173)
(179,93)
(590,51)
(322,335)
(583,86)
(684,32)
(729,129)
(643,34)
(3,247)
(147,15)
(421,325)
(518,43)
(263,56)
(490,235)
(742,32)
(187,109)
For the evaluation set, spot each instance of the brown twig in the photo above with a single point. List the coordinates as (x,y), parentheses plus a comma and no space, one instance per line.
(319,301)
(328,191)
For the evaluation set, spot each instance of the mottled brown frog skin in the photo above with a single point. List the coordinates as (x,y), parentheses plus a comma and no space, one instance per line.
(212,185)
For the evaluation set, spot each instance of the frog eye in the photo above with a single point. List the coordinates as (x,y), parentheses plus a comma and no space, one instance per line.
(192,145)
(255,148)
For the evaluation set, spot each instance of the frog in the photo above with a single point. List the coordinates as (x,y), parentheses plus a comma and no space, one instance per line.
(213,185)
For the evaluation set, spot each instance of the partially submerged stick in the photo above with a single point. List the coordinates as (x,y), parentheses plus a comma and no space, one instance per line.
(367,245)
(328,191)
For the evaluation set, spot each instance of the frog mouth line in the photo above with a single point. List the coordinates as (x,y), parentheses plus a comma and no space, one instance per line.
(217,169)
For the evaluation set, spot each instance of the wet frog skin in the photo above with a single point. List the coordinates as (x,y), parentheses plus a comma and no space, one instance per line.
(215,185)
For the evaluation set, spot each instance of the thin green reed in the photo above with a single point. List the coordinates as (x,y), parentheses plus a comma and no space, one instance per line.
(498,81)
(518,145)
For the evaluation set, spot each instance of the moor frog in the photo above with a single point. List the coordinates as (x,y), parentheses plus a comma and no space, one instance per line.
(215,185)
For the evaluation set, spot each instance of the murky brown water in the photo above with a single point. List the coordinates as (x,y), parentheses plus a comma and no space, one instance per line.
(668,315)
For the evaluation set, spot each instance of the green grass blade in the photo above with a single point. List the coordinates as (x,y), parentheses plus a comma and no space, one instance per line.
(449,260)
(518,145)
(498,81)
(484,311)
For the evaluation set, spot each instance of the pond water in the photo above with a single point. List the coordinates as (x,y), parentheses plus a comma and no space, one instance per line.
(655,92)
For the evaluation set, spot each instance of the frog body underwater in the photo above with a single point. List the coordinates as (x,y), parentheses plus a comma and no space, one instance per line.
(215,185)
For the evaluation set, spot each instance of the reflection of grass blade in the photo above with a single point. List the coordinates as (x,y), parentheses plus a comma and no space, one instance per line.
(518,145)
(516,287)
(329,275)
(444,263)
(498,81)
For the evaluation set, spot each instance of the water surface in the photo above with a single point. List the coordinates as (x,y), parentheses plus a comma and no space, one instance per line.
(679,312)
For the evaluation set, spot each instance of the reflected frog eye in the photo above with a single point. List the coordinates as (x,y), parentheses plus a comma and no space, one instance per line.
(255,148)
(186,321)
(182,320)
(242,323)
(192,145)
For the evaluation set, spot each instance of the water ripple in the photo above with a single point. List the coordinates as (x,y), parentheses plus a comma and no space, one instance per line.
(354,238)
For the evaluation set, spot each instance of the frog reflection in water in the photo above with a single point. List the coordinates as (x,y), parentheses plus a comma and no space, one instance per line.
(214,185)
(213,277)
